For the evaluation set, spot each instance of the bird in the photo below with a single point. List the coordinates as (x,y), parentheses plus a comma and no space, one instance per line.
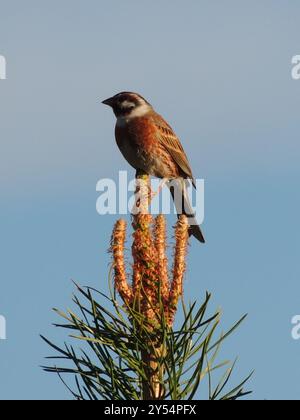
(150,146)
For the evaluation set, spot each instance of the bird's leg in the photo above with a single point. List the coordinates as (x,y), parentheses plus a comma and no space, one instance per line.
(142,193)
(152,194)
(161,186)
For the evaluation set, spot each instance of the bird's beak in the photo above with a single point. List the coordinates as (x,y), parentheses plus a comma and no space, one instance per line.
(109,102)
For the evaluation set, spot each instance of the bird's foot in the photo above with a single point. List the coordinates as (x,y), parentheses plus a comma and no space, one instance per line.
(153,194)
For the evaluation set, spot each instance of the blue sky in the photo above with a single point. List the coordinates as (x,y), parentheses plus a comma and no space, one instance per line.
(220,72)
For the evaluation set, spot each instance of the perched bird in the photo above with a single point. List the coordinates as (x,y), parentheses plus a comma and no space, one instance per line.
(150,145)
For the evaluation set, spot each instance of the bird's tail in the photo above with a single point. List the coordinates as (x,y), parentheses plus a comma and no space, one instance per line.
(178,189)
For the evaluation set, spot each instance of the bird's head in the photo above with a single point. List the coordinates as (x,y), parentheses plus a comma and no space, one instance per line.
(128,105)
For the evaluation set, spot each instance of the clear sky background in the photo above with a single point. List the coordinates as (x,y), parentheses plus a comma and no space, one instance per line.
(220,72)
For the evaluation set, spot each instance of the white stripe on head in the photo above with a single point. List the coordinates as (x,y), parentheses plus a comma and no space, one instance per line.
(137,112)
(127,104)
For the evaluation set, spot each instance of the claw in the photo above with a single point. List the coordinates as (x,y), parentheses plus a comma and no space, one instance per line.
(153,194)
